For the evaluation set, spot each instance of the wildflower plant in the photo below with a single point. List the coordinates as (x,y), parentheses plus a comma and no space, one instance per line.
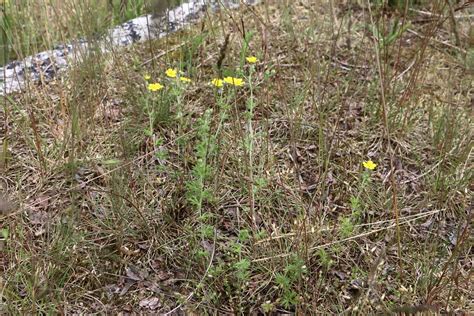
(250,136)
(178,84)
(245,48)
(226,89)
(286,281)
(369,167)
(197,193)
(160,96)
(356,202)
(152,103)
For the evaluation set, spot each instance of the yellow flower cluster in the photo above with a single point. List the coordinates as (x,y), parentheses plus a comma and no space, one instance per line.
(238,82)
(234,81)
(251,59)
(171,73)
(217,82)
(155,86)
(369,164)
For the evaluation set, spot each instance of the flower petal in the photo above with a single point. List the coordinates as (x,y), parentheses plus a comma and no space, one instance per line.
(234,81)
(251,59)
(170,72)
(217,82)
(155,86)
(369,164)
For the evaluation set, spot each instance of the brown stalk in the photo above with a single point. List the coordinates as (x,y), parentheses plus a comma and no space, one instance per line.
(393,183)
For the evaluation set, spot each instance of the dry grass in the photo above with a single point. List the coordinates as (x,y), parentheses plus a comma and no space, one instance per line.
(287,218)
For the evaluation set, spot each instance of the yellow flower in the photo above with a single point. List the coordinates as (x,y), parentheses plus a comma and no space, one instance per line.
(147,77)
(171,72)
(369,164)
(234,81)
(217,82)
(154,86)
(251,59)
(185,79)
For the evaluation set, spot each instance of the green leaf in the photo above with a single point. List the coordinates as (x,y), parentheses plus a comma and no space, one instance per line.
(147,132)
(110,162)
(4,232)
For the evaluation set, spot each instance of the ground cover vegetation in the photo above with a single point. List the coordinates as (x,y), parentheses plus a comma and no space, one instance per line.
(312,157)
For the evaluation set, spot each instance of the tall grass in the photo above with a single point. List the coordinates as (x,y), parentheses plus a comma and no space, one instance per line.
(29,27)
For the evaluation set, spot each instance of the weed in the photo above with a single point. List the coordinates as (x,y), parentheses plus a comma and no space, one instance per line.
(197,193)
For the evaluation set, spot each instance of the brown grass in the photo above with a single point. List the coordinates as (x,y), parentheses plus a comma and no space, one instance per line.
(106,224)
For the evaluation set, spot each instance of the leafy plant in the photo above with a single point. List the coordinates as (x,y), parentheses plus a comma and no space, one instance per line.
(293,272)
(197,193)
(395,32)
